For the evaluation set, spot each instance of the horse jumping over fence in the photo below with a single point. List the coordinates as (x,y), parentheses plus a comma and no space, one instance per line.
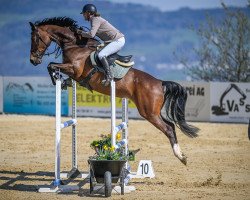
(150,95)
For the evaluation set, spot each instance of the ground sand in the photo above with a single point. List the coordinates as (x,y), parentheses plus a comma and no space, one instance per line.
(218,160)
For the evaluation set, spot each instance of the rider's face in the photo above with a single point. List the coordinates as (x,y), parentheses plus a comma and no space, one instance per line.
(86,16)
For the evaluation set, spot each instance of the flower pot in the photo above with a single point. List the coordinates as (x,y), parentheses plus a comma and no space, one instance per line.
(99,167)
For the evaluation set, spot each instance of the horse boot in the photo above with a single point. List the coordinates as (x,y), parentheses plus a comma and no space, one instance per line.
(109,75)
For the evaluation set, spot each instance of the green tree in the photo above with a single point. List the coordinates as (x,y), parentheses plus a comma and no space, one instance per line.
(224,53)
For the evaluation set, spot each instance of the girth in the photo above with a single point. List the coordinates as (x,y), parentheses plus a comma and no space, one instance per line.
(85,82)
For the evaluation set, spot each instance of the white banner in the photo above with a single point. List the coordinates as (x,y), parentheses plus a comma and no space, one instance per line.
(1,94)
(230,102)
(198,101)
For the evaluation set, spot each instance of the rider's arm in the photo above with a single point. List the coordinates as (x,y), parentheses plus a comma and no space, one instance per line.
(95,24)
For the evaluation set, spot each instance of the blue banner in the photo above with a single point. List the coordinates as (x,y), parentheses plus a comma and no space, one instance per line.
(31,95)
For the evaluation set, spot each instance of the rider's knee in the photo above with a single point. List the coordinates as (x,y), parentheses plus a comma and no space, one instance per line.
(101,55)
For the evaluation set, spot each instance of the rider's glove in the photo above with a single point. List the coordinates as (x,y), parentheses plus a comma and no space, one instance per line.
(80,31)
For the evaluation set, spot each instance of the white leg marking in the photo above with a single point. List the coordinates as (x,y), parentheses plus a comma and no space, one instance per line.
(177,151)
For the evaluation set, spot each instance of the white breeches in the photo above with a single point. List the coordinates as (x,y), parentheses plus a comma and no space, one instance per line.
(112,48)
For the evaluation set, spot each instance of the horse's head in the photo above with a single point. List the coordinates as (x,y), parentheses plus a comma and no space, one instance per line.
(40,41)
(61,30)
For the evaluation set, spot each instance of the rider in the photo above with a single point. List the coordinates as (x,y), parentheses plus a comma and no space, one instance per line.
(106,32)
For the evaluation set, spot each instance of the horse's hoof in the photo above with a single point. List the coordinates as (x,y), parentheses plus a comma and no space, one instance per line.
(105,82)
(184,159)
(64,87)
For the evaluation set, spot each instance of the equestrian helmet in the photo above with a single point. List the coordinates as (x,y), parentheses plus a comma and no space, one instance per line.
(89,8)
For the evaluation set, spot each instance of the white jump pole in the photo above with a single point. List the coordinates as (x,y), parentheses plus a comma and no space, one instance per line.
(57,180)
(113,113)
(123,126)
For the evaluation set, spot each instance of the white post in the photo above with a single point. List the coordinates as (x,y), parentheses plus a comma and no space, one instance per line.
(113,114)
(58,132)
(125,120)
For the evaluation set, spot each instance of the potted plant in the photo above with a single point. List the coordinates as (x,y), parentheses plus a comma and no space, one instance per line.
(107,165)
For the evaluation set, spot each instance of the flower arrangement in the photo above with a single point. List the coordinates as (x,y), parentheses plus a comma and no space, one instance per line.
(105,151)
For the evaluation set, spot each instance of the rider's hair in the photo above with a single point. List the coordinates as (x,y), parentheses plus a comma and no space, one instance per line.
(96,14)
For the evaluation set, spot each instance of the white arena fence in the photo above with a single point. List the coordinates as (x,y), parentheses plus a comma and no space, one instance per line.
(207,101)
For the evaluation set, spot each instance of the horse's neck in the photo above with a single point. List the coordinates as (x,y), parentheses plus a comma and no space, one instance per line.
(61,35)
(66,39)
(69,40)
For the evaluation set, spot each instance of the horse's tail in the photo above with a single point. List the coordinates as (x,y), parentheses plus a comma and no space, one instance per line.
(175,102)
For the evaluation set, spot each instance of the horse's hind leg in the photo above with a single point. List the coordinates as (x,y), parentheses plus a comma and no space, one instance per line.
(176,147)
(168,129)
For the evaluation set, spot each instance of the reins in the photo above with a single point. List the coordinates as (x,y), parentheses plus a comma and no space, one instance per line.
(58,50)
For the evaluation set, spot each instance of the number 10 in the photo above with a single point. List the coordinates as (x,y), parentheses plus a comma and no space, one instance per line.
(144,168)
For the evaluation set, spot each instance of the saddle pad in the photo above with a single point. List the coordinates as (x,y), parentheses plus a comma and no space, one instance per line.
(117,70)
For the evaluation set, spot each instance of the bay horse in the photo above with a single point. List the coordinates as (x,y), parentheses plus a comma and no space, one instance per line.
(150,95)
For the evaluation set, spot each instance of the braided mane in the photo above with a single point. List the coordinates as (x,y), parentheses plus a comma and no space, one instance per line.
(59,21)
(64,22)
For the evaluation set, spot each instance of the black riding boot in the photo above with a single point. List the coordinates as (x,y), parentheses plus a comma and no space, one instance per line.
(109,75)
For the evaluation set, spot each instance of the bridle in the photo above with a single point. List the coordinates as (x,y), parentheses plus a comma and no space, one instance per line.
(39,54)
(35,51)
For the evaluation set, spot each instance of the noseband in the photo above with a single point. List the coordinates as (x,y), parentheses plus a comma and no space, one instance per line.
(38,54)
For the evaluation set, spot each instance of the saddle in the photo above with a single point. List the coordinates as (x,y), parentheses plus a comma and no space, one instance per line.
(123,61)
(119,65)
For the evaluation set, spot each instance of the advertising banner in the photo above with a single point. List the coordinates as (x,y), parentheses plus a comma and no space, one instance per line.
(31,95)
(198,101)
(1,94)
(230,102)
(98,105)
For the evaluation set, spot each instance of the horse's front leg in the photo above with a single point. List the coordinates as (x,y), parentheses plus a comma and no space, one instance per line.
(51,71)
(67,69)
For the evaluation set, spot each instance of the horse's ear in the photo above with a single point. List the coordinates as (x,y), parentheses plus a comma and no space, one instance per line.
(33,27)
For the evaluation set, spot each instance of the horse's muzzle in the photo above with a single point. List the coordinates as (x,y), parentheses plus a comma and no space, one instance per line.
(35,61)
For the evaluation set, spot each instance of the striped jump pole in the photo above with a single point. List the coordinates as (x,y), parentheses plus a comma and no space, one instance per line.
(61,125)
(57,184)
(121,127)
